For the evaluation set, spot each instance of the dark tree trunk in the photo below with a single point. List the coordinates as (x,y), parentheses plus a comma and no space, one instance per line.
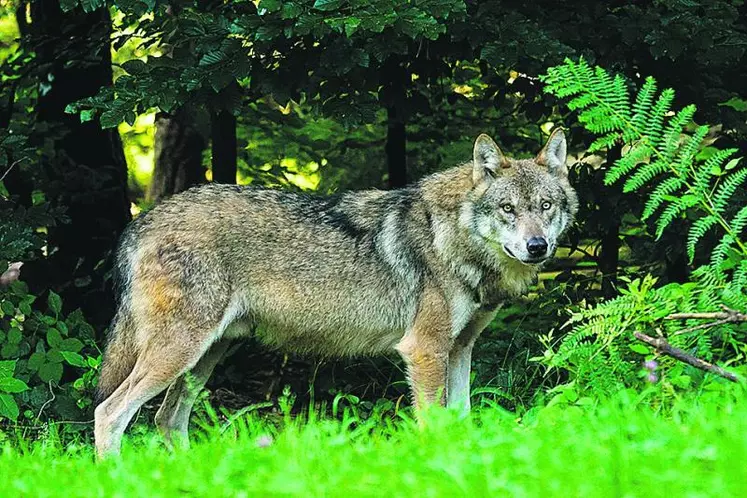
(178,155)
(609,254)
(394,96)
(396,148)
(88,172)
(225,147)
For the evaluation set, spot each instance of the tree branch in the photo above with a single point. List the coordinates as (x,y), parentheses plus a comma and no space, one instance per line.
(664,347)
(728,315)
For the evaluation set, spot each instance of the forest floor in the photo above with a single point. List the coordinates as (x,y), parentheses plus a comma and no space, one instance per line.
(618,448)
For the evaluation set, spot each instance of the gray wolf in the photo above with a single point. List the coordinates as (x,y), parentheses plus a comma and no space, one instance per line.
(421,270)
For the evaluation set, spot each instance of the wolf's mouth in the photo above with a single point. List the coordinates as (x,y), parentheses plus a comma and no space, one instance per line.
(508,251)
(531,261)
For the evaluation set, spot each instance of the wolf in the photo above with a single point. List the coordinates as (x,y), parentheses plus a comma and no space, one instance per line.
(421,270)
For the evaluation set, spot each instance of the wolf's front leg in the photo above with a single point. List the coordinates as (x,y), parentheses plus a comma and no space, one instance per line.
(460,360)
(425,349)
(426,374)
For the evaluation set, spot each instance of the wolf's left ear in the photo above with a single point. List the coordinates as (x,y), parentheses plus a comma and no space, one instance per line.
(554,153)
(487,159)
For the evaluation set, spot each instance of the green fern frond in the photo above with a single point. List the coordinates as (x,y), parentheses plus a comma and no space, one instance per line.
(727,189)
(638,153)
(673,133)
(641,110)
(720,252)
(739,221)
(660,149)
(605,142)
(667,187)
(697,231)
(644,175)
(676,208)
(683,161)
(655,125)
(704,172)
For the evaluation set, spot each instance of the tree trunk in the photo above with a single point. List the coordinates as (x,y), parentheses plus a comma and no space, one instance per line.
(223,134)
(178,155)
(609,254)
(394,97)
(87,169)
(396,148)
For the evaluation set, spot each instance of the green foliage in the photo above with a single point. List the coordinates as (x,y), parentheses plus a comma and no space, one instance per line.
(331,53)
(566,449)
(48,361)
(663,157)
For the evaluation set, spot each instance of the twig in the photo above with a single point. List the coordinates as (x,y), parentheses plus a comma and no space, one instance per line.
(52,422)
(41,410)
(664,347)
(38,417)
(12,165)
(728,315)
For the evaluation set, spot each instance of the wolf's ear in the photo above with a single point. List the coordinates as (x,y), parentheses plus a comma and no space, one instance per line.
(487,159)
(554,153)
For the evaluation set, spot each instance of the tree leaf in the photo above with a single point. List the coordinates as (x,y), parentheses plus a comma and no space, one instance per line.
(55,302)
(110,119)
(51,372)
(270,5)
(736,103)
(72,344)
(135,66)
(14,335)
(212,57)
(732,164)
(55,356)
(7,368)
(36,360)
(87,115)
(8,308)
(8,407)
(68,5)
(73,359)
(639,348)
(54,339)
(327,5)
(12,385)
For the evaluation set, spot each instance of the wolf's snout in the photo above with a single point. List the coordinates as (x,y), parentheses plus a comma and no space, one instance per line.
(537,246)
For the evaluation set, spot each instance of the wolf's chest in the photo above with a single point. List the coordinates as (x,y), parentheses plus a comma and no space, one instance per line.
(514,279)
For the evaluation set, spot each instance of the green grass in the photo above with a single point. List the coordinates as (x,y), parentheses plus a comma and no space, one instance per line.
(616,449)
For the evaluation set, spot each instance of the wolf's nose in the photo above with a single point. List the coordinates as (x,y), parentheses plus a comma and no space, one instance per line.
(537,246)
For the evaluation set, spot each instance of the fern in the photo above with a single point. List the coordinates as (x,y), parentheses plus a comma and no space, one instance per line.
(697,231)
(728,189)
(667,187)
(657,147)
(662,160)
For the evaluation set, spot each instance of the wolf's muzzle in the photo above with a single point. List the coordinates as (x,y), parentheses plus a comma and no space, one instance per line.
(537,246)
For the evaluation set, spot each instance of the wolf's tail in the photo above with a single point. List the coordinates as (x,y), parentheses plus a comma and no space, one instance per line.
(119,358)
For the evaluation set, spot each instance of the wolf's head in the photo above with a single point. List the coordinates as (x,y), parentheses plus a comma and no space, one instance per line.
(521,207)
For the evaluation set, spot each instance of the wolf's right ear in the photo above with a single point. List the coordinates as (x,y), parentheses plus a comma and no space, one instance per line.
(487,159)
(554,154)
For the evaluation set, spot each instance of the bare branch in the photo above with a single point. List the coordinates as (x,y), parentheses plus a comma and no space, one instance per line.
(728,315)
(13,164)
(664,347)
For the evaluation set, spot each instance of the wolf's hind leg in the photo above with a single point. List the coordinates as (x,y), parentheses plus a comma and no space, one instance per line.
(158,365)
(172,418)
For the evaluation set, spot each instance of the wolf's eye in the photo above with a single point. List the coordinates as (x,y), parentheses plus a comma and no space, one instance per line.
(546,205)
(507,208)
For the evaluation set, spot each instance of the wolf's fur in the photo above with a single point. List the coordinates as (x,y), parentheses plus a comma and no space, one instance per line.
(421,270)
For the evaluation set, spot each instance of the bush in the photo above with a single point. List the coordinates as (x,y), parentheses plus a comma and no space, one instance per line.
(48,362)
